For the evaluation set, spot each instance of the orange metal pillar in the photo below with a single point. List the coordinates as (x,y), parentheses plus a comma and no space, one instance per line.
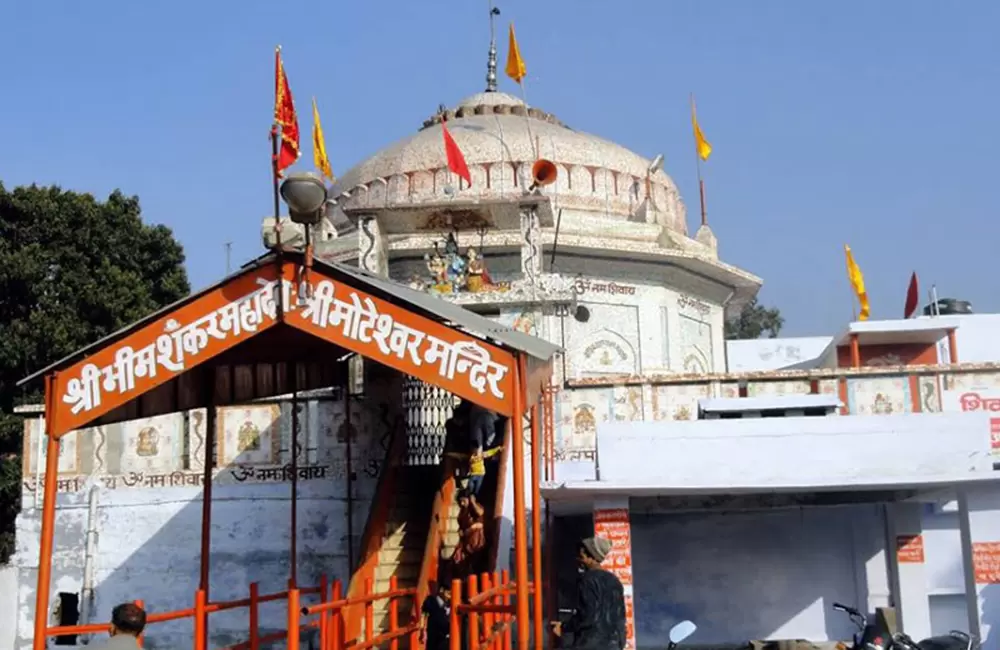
(952,346)
(536,525)
(48,523)
(520,518)
(855,351)
(293,551)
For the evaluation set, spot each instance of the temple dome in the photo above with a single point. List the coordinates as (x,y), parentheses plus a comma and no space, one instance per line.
(498,135)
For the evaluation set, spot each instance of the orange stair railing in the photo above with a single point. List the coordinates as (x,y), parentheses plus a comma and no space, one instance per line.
(488,609)
(375,529)
(331,634)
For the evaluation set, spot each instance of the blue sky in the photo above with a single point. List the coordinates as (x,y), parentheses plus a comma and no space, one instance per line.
(870,123)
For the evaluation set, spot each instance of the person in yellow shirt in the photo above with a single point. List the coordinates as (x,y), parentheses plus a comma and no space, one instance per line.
(476,469)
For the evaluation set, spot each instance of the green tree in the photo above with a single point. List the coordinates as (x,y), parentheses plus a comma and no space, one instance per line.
(73,269)
(754,322)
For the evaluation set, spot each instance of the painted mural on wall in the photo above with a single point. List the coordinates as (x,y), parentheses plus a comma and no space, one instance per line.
(776,388)
(879,395)
(253,445)
(153,445)
(522,320)
(678,402)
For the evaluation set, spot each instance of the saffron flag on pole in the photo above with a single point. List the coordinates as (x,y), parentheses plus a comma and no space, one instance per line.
(285,117)
(702,145)
(515,69)
(319,146)
(456,161)
(857,284)
(912,297)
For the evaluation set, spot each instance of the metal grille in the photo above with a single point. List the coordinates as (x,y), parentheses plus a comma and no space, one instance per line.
(426,408)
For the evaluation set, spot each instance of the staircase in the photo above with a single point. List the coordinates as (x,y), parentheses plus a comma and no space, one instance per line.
(412,528)
(402,549)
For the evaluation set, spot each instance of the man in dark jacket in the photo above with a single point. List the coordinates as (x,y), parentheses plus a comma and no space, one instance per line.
(598,623)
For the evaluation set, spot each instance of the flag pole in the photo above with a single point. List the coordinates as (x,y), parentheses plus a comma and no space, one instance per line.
(697,162)
(274,183)
(274,169)
(279,257)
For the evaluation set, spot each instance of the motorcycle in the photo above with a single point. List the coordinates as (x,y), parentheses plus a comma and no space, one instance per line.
(870,637)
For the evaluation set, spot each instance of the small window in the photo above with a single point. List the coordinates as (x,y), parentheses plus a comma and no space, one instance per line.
(816,411)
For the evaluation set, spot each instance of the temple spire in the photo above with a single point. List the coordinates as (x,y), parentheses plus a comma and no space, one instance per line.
(491,64)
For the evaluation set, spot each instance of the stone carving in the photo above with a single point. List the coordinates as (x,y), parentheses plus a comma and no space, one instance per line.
(696,345)
(372,255)
(531,254)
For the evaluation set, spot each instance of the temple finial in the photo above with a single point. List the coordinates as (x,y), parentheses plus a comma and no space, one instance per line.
(491,65)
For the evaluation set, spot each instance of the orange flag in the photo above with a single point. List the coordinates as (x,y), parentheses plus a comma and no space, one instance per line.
(285,117)
(456,161)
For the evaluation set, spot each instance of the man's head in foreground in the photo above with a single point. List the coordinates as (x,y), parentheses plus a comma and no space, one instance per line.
(128,619)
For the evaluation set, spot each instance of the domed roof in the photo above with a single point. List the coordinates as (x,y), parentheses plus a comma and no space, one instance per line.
(498,135)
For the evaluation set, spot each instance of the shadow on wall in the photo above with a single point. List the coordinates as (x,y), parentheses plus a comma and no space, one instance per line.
(138,486)
(740,576)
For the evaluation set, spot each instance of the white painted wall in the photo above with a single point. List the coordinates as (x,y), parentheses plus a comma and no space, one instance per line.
(148,548)
(149,531)
(8,606)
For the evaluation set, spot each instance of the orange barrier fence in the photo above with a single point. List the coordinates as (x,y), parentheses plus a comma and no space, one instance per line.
(488,608)
(489,612)
(202,608)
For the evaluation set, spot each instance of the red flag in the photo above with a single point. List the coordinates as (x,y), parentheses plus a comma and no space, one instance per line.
(285,117)
(456,161)
(912,297)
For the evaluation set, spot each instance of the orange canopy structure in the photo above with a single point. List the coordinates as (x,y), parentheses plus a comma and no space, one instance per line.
(277,326)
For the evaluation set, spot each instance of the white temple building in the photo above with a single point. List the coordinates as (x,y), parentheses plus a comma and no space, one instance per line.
(847,472)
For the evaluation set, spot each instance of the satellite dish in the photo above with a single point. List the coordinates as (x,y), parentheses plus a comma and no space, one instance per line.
(681,631)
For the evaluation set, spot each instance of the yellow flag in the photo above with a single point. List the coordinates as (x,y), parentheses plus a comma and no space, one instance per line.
(701,144)
(515,64)
(857,283)
(319,146)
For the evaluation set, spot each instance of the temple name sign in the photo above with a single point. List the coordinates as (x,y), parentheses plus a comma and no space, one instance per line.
(225,316)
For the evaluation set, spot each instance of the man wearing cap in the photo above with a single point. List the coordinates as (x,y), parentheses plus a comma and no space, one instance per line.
(598,622)
(127,623)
